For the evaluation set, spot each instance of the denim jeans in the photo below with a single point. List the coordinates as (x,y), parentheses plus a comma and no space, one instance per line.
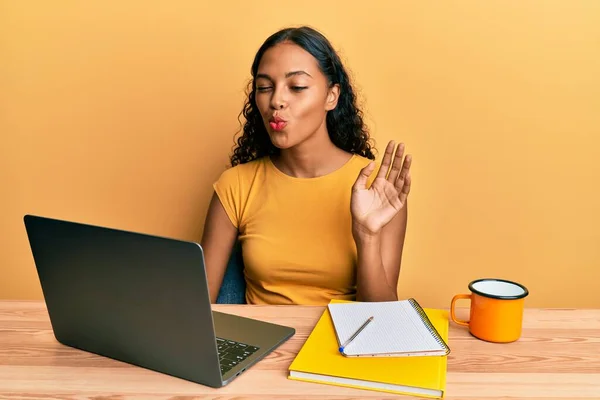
(233,288)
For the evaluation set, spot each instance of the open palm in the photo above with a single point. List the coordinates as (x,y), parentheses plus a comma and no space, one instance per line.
(372,208)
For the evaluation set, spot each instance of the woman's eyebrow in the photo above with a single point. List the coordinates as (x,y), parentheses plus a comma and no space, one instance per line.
(263,76)
(292,73)
(287,75)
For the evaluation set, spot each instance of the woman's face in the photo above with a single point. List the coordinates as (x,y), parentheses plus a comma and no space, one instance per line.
(292,95)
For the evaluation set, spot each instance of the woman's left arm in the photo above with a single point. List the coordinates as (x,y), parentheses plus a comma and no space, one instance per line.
(379,260)
(379,219)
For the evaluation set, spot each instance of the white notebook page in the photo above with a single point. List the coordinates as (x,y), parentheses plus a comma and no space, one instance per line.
(396,328)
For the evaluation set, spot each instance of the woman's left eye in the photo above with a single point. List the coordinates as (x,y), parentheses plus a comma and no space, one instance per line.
(299,88)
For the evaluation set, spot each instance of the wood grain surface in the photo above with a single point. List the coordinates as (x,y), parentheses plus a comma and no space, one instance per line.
(558,357)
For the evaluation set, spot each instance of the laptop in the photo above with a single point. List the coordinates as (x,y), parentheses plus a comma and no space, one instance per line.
(143,300)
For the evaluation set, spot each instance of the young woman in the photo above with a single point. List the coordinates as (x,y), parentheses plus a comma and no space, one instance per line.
(314,219)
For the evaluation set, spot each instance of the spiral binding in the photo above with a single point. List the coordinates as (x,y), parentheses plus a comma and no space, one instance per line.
(436,335)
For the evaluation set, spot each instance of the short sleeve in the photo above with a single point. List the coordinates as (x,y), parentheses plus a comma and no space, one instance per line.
(227,188)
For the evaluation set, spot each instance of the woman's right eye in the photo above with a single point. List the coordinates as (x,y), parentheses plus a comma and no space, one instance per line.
(263,88)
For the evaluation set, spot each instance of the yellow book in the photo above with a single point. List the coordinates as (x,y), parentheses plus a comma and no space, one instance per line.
(320,361)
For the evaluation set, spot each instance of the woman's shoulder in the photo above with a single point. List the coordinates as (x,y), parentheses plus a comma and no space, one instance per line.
(361,160)
(243,172)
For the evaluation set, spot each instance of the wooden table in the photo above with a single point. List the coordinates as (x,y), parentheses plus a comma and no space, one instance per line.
(558,357)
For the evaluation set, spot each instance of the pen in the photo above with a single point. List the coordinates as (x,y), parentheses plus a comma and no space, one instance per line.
(355,334)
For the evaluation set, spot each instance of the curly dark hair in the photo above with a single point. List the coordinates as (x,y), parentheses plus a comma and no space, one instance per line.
(344,123)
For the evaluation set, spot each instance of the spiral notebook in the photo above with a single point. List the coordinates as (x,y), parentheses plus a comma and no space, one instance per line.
(398,329)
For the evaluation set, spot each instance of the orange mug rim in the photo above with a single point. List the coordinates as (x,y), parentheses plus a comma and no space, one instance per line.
(494,296)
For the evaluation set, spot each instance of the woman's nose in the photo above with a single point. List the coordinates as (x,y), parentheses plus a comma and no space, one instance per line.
(278,100)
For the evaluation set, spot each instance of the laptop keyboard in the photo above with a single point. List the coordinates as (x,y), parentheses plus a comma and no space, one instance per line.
(231,353)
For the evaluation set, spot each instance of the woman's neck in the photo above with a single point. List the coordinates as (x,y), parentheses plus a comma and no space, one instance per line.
(312,158)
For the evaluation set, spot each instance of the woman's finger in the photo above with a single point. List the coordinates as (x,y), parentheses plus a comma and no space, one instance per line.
(397,164)
(387,159)
(363,177)
(405,189)
(405,167)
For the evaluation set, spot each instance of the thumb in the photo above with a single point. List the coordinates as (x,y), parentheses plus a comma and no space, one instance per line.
(363,177)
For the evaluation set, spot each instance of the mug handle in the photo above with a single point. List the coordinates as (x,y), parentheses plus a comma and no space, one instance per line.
(452,315)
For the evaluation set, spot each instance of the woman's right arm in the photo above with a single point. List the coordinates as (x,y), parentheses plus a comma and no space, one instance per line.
(218,239)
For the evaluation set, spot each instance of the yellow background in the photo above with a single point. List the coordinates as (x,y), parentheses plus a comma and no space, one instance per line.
(123,113)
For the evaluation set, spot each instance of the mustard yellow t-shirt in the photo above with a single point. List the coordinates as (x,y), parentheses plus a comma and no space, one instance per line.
(296,233)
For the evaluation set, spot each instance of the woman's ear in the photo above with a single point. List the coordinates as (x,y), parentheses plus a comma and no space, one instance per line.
(332,97)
